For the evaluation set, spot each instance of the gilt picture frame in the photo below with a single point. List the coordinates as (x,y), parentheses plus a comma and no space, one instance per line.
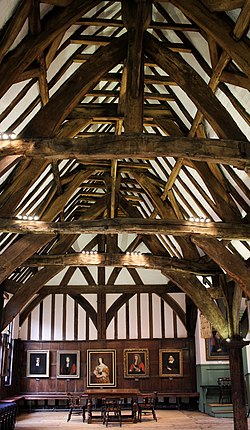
(216,349)
(101,368)
(170,363)
(136,363)
(68,364)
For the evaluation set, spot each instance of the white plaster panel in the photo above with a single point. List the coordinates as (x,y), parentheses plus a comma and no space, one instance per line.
(46,329)
(77,278)
(70,311)
(133,329)
(144,316)
(110,299)
(24,330)
(81,323)
(92,299)
(156,305)
(110,332)
(121,321)
(58,316)
(181,330)
(92,331)
(152,276)
(34,330)
(168,315)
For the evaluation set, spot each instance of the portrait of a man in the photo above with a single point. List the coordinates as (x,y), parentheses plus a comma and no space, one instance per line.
(68,364)
(216,348)
(37,364)
(170,362)
(136,363)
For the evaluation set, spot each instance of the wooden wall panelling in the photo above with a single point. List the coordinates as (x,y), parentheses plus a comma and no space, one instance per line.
(153,383)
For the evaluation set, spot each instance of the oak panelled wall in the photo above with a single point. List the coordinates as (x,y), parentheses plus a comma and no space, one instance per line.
(154,382)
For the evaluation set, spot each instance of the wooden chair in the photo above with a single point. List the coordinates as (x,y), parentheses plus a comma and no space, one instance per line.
(225,395)
(147,405)
(111,411)
(76,405)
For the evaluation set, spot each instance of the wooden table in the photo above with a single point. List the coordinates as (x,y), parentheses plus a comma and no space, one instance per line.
(112,393)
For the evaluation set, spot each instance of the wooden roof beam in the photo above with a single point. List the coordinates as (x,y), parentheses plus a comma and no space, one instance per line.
(48,120)
(174,227)
(231,263)
(33,285)
(195,87)
(142,146)
(219,29)
(222,5)
(141,261)
(27,51)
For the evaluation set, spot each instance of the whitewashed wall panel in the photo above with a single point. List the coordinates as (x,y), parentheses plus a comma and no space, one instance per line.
(46,328)
(92,331)
(92,299)
(156,305)
(34,329)
(133,327)
(58,316)
(138,323)
(110,332)
(70,318)
(23,331)
(181,330)
(168,321)
(81,323)
(121,322)
(144,316)
(110,299)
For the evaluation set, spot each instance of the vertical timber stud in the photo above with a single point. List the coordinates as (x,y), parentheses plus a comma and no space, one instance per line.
(238,382)
(1,306)
(136,15)
(101,296)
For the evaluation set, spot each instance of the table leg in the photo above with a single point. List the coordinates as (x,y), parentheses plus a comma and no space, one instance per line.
(89,411)
(134,410)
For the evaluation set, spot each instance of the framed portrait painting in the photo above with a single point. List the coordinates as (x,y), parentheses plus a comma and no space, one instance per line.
(170,363)
(101,368)
(68,364)
(37,364)
(216,348)
(136,363)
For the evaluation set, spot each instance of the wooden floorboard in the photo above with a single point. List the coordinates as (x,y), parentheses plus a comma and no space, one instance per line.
(167,419)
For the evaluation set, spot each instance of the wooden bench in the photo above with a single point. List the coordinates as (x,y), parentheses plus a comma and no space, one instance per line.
(192,397)
(33,398)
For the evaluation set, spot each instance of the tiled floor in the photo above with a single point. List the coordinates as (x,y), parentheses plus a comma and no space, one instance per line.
(167,419)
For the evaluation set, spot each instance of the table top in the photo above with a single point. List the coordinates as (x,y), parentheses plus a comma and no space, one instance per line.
(112,392)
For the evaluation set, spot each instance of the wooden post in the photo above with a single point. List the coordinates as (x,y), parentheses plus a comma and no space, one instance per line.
(136,16)
(1,306)
(238,382)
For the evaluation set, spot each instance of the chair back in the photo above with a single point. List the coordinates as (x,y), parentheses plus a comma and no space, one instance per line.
(224,382)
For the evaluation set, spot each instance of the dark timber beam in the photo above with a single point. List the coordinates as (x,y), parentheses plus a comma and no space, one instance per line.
(194,86)
(32,46)
(218,29)
(143,146)
(221,230)
(123,260)
(49,119)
